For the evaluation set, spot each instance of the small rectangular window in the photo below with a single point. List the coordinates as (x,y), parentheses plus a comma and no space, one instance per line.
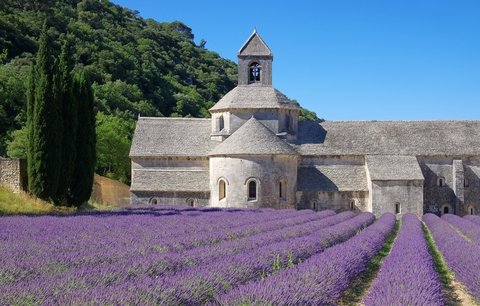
(397,208)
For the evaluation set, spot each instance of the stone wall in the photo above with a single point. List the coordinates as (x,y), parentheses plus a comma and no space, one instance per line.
(408,194)
(13,173)
(266,170)
(194,199)
(338,201)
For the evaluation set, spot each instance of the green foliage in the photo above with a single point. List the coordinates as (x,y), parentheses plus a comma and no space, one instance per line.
(45,140)
(113,145)
(137,66)
(69,110)
(17,143)
(85,143)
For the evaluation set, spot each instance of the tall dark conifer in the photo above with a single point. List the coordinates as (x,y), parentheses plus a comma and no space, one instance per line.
(45,137)
(82,180)
(69,119)
(30,111)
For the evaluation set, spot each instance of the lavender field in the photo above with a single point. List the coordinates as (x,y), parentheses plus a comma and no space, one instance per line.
(185,256)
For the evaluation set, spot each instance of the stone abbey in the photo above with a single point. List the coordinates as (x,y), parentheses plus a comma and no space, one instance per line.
(255,152)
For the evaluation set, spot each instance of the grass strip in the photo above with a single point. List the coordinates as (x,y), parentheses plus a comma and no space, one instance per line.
(354,294)
(445,274)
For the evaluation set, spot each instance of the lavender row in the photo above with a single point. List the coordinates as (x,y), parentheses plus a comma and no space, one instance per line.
(321,279)
(462,256)
(96,239)
(200,285)
(466,227)
(54,232)
(407,276)
(155,265)
(473,218)
(83,269)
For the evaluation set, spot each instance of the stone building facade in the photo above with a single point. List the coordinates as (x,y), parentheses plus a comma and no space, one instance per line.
(255,152)
(13,173)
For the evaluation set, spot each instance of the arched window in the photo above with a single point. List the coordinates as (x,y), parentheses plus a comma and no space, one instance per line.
(397,208)
(222,190)
(441,181)
(446,209)
(191,202)
(282,185)
(254,72)
(471,210)
(153,201)
(252,190)
(466,183)
(315,205)
(352,204)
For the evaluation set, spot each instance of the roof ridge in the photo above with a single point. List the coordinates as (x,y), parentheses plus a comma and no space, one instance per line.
(173,118)
(402,120)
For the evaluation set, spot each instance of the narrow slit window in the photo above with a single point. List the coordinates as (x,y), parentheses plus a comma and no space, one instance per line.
(466,183)
(397,208)
(252,190)
(222,190)
(281,189)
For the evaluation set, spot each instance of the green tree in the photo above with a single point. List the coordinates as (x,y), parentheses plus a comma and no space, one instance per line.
(113,145)
(45,142)
(69,110)
(17,143)
(85,142)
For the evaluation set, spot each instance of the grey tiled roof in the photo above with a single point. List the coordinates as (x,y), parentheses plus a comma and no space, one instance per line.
(414,138)
(253,138)
(171,137)
(255,46)
(254,96)
(332,178)
(170,180)
(393,167)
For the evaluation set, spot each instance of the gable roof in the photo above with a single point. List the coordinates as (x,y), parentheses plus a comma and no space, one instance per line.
(254,96)
(170,180)
(255,46)
(253,138)
(171,137)
(332,178)
(415,138)
(393,168)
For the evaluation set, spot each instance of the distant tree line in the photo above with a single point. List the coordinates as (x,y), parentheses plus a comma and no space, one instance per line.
(137,67)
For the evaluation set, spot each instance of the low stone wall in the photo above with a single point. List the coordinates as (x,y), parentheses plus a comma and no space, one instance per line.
(13,173)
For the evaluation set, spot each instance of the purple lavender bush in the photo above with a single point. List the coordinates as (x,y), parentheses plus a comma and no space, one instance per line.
(321,279)
(407,276)
(74,258)
(473,218)
(461,255)
(468,228)
(199,285)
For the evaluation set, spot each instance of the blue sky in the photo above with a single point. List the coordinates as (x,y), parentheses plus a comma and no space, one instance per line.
(352,59)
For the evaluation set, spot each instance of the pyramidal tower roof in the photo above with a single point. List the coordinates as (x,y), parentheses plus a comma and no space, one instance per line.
(253,138)
(255,46)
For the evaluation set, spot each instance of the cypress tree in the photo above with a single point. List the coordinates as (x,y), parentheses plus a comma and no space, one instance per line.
(45,132)
(30,111)
(82,180)
(69,116)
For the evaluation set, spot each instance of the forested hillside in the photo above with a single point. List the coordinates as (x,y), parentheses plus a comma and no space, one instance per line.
(137,66)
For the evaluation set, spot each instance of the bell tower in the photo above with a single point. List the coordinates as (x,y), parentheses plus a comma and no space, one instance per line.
(255,62)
